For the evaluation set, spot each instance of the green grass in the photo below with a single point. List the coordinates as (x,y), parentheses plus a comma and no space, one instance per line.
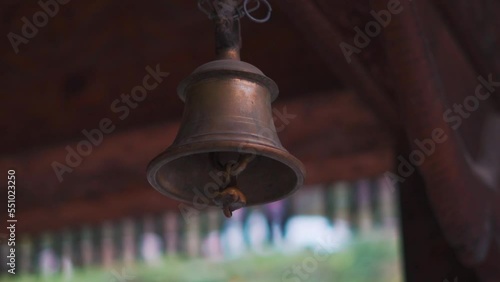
(365,260)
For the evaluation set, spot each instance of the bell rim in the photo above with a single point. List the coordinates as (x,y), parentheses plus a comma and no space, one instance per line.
(174,153)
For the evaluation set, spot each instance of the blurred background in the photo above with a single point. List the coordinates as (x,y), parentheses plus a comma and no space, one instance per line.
(88,214)
(79,134)
(345,231)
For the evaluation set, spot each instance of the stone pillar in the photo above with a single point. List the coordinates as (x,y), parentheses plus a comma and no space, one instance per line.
(276,214)
(107,245)
(193,236)
(364,206)
(25,250)
(67,245)
(211,243)
(341,205)
(171,232)
(151,245)
(48,260)
(129,245)
(148,224)
(67,255)
(387,204)
(86,246)
(309,201)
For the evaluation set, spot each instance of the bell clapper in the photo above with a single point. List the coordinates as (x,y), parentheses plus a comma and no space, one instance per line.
(230,198)
(227,105)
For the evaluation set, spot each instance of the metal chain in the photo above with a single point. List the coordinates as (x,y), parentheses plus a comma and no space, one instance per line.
(230,197)
(233,168)
(215,10)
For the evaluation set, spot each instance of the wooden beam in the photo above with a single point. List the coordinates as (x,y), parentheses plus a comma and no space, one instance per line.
(332,133)
(91,211)
(427,254)
(325,37)
(62,87)
(140,198)
(475,34)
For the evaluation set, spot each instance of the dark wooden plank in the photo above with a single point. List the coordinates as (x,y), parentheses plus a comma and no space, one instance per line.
(67,77)
(427,255)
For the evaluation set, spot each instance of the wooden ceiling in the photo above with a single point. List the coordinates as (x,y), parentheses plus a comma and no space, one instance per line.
(65,79)
(352,117)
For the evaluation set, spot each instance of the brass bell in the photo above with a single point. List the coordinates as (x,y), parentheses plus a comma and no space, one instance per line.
(227,149)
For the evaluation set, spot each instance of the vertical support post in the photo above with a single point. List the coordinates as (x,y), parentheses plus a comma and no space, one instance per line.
(129,246)
(387,205)
(26,254)
(341,206)
(151,242)
(107,245)
(171,232)
(309,201)
(193,236)
(427,255)
(67,242)
(364,204)
(67,255)
(212,247)
(48,260)
(149,224)
(86,246)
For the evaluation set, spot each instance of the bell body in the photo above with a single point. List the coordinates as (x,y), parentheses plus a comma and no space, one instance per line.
(227,113)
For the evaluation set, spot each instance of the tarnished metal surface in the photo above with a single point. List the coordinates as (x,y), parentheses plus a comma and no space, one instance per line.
(228,112)
(227,115)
